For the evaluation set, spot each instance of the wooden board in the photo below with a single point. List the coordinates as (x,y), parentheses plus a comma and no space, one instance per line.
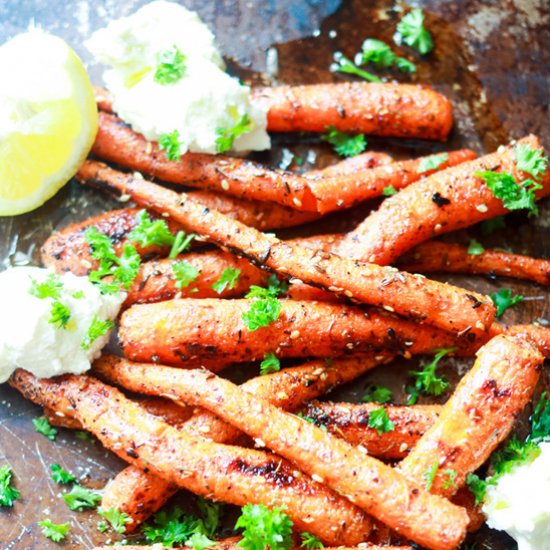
(492,59)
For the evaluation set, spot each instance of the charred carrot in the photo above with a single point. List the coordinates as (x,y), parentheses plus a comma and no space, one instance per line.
(351,165)
(378,489)
(441,305)
(443,202)
(537,335)
(477,417)
(437,256)
(177,331)
(397,110)
(352,423)
(336,193)
(220,472)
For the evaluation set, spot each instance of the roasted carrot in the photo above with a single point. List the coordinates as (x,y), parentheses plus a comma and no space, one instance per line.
(477,417)
(351,423)
(378,489)
(441,305)
(398,110)
(537,335)
(219,472)
(287,389)
(233,545)
(351,165)
(443,202)
(177,331)
(437,256)
(336,193)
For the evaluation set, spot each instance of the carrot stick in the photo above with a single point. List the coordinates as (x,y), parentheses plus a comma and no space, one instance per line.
(435,303)
(287,389)
(398,110)
(336,193)
(443,202)
(436,256)
(350,422)
(537,335)
(378,489)
(219,472)
(177,331)
(477,417)
(351,165)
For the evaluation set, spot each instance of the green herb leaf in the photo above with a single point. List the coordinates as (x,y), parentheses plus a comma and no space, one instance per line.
(117,519)
(404,65)
(450,481)
(513,454)
(270,364)
(8,493)
(503,299)
(181,243)
(344,65)
(184,274)
(228,279)
(226,138)
(97,328)
(532,161)
(429,475)
(199,541)
(514,196)
(266,308)
(346,145)
(426,380)
(61,476)
(170,528)
(377,394)
(55,532)
(389,191)
(380,421)
(412,32)
(129,263)
(211,513)
(171,67)
(172,145)
(377,52)
(82,435)
(42,426)
(477,486)
(310,542)
(540,421)
(78,295)
(412,394)
(264,528)
(150,233)
(81,498)
(490,226)
(60,315)
(50,288)
(475,248)
(433,162)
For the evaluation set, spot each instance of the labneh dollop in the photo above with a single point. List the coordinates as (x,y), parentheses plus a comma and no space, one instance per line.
(47,340)
(200,104)
(519,503)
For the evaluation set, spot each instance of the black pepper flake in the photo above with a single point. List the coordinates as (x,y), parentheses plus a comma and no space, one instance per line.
(474,301)
(439,200)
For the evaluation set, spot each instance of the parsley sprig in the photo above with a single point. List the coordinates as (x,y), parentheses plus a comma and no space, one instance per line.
(264,528)
(61,476)
(184,274)
(171,67)
(98,327)
(380,421)
(503,300)
(81,498)
(270,364)
(117,519)
(344,65)
(426,379)
(42,426)
(56,532)
(310,542)
(8,493)
(171,144)
(380,54)
(377,394)
(51,287)
(228,279)
(432,162)
(226,137)
(346,145)
(475,248)
(411,31)
(266,308)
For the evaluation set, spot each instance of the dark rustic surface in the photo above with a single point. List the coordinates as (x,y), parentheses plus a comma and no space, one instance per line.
(491,58)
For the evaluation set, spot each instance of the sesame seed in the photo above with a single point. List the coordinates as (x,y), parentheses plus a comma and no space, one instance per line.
(294,334)
(403,447)
(389,308)
(480,325)
(297,201)
(225,185)
(437,227)
(482,208)
(317,478)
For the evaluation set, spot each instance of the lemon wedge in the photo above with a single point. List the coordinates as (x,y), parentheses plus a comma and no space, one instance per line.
(48,119)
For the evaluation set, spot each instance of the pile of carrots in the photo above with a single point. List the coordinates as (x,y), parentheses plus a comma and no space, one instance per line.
(346,311)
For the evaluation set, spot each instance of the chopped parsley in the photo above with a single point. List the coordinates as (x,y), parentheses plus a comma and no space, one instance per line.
(381,55)
(426,380)
(449,482)
(149,232)
(346,145)
(8,493)
(429,475)
(171,67)
(475,248)
(226,138)
(380,421)
(61,476)
(411,31)
(81,498)
(477,487)
(344,65)
(503,299)
(50,288)
(42,426)
(117,519)
(60,315)
(56,532)
(433,162)
(389,190)
(184,274)
(200,541)
(310,542)
(264,528)
(540,421)
(182,242)
(228,279)
(98,327)
(270,364)
(532,161)
(490,226)
(377,394)
(171,144)
(266,308)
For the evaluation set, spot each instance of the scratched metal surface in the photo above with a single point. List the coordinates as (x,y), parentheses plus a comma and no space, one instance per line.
(492,59)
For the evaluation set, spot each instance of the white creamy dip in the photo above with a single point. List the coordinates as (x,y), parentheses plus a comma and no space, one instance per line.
(204,101)
(30,341)
(519,503)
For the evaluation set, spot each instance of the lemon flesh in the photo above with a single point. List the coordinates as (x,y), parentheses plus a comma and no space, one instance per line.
(48,119)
